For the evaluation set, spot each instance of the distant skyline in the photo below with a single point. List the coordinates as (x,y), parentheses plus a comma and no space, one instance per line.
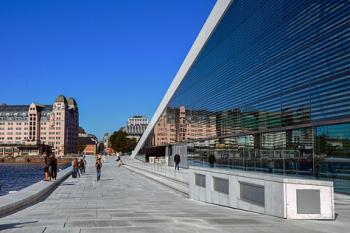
(116,58)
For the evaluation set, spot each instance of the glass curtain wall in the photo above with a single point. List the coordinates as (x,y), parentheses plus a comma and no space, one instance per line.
(270,92)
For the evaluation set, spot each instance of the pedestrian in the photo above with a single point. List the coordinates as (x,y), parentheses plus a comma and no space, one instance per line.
(49,165)
(54,167)
(177,161)
(76,168)
(84,162)
(82,166)
(98,168)
(46,167)
(211,160)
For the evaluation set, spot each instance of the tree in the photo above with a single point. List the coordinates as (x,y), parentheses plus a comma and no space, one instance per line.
(119,142)
(130,144)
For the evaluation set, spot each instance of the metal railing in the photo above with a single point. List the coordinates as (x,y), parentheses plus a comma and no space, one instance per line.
(159,168)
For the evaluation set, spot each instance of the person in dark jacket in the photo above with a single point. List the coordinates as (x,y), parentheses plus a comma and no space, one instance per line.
(49,165)
(177,161)
(211,160)
(82,166)
(98,168)
(54,166)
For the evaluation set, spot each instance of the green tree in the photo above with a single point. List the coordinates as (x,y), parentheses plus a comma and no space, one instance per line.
(120,143)
(130,144)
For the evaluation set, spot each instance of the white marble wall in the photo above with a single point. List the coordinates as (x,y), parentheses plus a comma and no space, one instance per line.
(280,193)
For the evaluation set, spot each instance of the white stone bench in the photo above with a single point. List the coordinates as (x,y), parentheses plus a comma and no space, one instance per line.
(280,196)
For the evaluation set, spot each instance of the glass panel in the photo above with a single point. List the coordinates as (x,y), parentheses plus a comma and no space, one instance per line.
(268,92)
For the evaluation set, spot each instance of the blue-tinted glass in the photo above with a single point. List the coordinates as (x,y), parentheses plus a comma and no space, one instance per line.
(269,91)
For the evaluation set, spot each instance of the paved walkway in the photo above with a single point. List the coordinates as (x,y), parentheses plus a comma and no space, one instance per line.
(124,201)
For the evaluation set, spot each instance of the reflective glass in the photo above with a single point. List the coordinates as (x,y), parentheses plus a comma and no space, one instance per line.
(270,91)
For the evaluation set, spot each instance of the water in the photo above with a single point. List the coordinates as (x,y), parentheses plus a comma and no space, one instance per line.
(14,177)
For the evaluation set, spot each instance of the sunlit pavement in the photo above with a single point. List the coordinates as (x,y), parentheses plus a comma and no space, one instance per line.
(123,201)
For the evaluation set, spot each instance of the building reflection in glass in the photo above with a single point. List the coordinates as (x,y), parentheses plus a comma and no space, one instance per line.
(268,92)
(247,141)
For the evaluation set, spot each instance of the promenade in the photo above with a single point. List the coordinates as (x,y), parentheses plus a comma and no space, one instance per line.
(125,201)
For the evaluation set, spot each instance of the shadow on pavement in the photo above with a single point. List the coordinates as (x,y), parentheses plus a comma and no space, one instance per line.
(106,179)
(14,225)
(67,184)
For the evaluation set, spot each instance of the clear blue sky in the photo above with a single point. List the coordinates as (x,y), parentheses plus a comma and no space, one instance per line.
(117,58)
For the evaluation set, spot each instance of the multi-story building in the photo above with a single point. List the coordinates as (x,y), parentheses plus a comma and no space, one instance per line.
(137,120)
(28,129)
(89,142)
(265,87)
(136,126)
(107,145)
(181,125)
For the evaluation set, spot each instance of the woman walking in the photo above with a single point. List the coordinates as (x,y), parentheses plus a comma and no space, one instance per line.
(98,168)
(76,168)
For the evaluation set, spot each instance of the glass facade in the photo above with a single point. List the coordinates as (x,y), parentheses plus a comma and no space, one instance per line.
(269,91)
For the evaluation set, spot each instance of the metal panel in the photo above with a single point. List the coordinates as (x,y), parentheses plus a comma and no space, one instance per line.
(221,185)
(252,193)
(200,180)
(308,201)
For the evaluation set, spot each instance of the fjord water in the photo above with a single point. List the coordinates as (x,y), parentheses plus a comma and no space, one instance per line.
(14,177)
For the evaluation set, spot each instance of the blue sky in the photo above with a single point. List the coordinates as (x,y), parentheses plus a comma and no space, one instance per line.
(117,58)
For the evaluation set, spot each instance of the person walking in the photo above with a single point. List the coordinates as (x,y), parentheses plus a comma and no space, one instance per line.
(82,166)
(54,167)
(211,160)
(49,165)
(98,168)
(177,161)
(46,166)
(76,168)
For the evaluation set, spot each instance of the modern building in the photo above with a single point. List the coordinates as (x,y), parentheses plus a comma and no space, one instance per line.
(31,129)
(265,87)
(136,126)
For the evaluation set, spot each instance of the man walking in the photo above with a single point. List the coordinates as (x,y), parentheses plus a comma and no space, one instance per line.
(82,166)
(177,161)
